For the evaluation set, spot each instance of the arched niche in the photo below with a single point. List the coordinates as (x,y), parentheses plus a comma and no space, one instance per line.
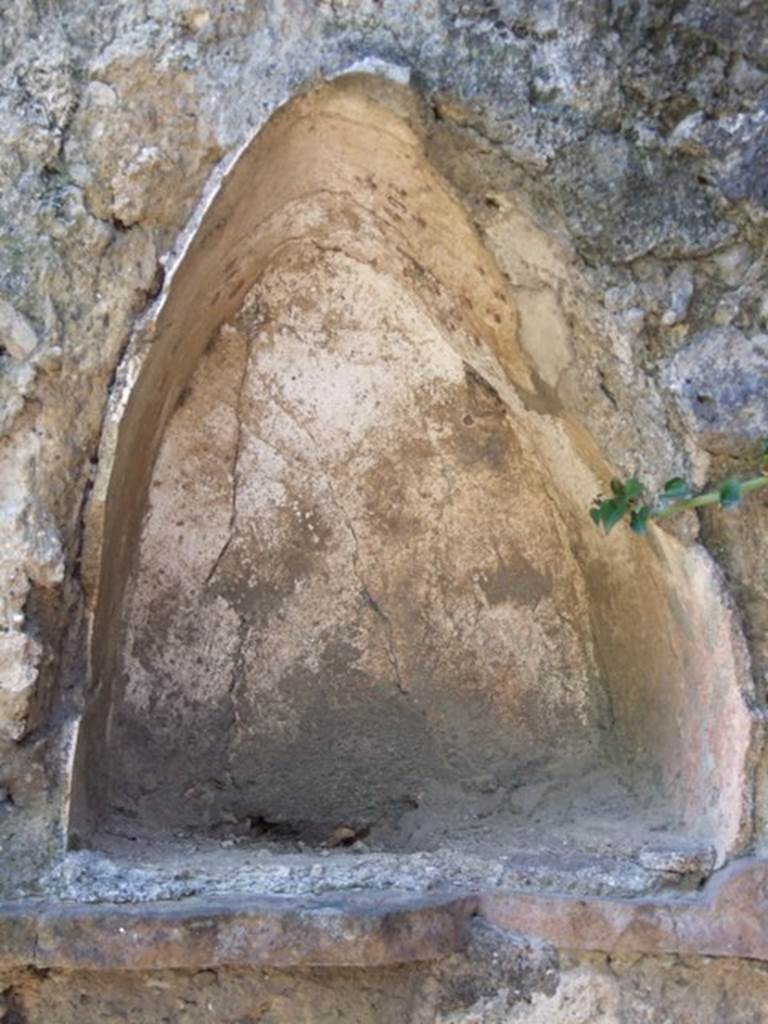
(340,569)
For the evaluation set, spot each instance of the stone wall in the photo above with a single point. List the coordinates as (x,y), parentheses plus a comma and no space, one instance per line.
(586,990)
(611,158)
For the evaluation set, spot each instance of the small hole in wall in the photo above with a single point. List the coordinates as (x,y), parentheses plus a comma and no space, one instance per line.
(158,280)
(11,1004)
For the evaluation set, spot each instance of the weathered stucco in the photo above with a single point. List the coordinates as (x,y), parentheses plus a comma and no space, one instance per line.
(360,357)
(377,596)
(347,568)
(191,289)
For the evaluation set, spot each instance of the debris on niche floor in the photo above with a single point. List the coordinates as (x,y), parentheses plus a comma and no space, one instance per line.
(580,834)
(601,860)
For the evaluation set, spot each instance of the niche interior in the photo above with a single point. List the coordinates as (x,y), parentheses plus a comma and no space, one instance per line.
(342,580)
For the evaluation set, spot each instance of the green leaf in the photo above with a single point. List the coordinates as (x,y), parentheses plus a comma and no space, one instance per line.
(633,488)
(611,512)
(638,521)
(617,487)
(730,493)
(676,488)
(595,516)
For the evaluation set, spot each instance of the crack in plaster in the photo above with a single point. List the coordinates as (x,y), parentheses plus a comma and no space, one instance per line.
(235,459)
(392,655)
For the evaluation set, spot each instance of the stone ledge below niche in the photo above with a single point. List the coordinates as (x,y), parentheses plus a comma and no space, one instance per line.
(727,918)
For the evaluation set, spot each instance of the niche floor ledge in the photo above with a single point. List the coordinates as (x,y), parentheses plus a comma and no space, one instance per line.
(728,917)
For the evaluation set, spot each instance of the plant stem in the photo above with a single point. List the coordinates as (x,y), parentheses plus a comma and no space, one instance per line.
(708,498)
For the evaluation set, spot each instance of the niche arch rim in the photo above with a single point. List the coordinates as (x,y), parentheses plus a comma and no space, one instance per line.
(504,364)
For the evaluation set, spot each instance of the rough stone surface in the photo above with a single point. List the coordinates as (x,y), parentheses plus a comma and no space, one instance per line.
(611,158)
(16,336)
(721,378)
(586,990)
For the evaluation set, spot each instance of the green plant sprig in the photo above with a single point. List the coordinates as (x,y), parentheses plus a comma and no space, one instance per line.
(676,496)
